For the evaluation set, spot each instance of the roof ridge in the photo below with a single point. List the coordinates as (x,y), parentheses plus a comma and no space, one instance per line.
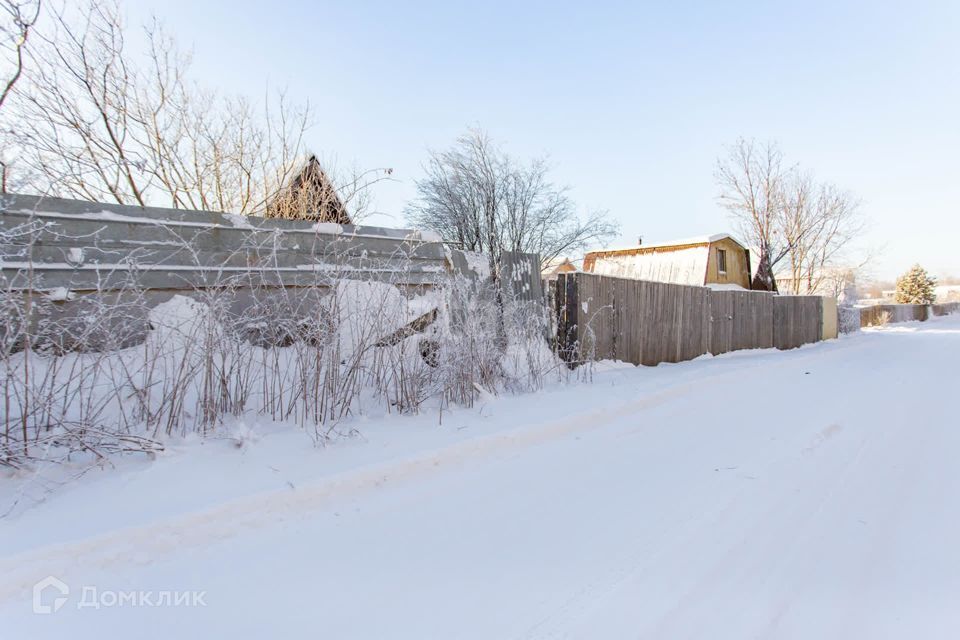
(684,242)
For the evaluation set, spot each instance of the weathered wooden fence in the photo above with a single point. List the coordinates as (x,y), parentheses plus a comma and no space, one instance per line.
(797,320)
(632,320)
(648,323)
(945,308)
(881,314)
(884,313)
(740,320)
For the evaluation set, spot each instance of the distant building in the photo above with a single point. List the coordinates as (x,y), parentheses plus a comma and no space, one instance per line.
(827,281)
(943,292)
(717,260)
(555,267)
(947,292)
(309,195)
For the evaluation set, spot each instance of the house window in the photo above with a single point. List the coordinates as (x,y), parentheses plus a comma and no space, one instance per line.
(722,260)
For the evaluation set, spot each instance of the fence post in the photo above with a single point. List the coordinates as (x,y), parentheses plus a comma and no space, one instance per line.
(567,317)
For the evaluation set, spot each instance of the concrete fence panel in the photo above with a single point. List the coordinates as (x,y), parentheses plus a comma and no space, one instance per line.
(62,259)
(81,246)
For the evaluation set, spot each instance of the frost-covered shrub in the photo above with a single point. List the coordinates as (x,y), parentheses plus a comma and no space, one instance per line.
(849,295)
(849,318)
(310,357)
(127,368)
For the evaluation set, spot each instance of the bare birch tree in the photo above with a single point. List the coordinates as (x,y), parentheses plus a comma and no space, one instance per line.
(477,196)
(827,222)
(801,228)
(751,180)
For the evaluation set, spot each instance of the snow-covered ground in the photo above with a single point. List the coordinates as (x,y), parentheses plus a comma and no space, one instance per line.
(802,494)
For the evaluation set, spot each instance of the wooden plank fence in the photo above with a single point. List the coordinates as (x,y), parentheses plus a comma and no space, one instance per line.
(797,320)
(946,308)
(740,320)
(881,314)
(603,317)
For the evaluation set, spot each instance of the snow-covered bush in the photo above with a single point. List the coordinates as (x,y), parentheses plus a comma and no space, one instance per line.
(849,318)
(848,313)
(129,374)
(849,295)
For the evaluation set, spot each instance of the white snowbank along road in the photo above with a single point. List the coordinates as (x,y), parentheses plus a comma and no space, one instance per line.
(801,494)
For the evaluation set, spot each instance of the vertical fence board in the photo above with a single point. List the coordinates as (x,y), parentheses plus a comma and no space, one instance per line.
(890,313)
(797,320)
(652,322)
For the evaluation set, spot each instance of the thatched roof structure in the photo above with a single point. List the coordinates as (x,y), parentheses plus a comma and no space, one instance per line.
(309,196)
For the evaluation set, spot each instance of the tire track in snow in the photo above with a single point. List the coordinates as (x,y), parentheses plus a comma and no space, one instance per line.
(683,532)
(579,605)
(131,546)
(743,562)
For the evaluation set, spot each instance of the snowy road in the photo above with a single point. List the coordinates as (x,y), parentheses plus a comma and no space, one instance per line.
(805,494)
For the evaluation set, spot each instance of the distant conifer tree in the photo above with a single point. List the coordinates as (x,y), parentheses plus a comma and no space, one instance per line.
(916,287)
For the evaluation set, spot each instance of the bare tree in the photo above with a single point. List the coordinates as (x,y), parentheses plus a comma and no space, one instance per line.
(819,229)
(788,216)
(17,18)
(751,181)
(96,121)
(75,106)
(477,196)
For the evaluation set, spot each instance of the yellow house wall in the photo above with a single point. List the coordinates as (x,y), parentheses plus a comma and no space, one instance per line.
(737,271)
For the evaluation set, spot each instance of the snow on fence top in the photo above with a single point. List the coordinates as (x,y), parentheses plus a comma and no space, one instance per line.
(680,266)
(674,244)
(71,245)
(685,262)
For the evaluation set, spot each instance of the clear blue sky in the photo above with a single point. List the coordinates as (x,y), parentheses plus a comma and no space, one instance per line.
(633,101)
